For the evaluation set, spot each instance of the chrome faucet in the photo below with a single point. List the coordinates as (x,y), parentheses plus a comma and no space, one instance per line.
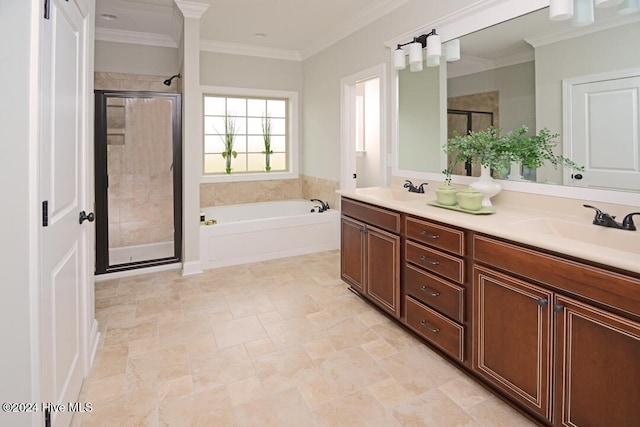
(605,220)
(324,206)
(412,188)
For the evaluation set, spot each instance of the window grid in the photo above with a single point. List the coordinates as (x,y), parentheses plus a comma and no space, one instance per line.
(248,114)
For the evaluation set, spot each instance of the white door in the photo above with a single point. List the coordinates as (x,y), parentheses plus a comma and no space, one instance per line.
(605,119)
(64,282)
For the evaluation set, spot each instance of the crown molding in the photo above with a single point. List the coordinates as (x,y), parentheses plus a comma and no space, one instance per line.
(134,37)
(478,15)
(572,32)
(248,50)
(352,25)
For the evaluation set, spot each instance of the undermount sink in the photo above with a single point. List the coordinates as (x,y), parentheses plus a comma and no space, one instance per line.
(390,193)
(623,240)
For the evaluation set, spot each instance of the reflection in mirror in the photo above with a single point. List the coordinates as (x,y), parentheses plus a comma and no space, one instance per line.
(419,119)
(524,62)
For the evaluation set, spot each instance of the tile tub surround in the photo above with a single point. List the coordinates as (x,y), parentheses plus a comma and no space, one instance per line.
(276,343)
(304,187)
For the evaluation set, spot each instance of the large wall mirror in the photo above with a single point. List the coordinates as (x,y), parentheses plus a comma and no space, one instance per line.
(529,70)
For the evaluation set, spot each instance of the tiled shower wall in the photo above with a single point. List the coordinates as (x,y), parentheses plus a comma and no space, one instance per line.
(140,176)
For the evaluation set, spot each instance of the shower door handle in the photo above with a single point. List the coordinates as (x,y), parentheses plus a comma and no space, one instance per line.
(83,216)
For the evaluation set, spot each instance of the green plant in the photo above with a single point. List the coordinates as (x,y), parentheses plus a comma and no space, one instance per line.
(488,147)
(266,134)
(228,138)
(534,151)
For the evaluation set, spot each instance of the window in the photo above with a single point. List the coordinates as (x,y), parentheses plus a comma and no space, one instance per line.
(249,117)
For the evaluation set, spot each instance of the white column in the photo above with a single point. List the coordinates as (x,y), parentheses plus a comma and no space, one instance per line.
(191,135)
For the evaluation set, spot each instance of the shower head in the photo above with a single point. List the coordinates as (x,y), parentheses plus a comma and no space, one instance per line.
(168,81)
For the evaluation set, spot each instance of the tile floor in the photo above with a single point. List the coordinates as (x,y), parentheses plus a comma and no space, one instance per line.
(277,343)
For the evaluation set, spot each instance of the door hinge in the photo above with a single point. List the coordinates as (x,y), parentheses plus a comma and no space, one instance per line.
(47,417)
(46,9)
(45,213)
(355,176)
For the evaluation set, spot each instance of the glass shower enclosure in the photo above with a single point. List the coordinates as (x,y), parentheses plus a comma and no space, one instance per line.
(138,164)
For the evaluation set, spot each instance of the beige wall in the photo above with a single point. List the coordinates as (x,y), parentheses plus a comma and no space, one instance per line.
(136,59)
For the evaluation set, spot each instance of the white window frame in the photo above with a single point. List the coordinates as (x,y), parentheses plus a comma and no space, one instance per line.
(292,140)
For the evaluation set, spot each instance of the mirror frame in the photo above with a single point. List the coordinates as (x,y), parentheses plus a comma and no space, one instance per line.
(465,21)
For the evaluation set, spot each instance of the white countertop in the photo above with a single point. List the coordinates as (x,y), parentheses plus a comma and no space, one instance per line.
(543,225)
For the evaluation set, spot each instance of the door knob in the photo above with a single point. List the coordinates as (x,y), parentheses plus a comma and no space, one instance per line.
(577,176)
(83,216)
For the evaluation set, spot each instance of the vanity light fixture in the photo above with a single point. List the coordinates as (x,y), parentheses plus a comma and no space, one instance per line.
(629,6)
(581,12)
(414,48)
(452,50)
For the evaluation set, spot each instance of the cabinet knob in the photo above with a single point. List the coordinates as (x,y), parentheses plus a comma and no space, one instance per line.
(557,308)
(427,291)
(424,323)
(428,261)
(430,236)
(542,302)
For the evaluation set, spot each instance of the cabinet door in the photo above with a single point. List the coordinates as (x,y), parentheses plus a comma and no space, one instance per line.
(383,269)
(352,253)
(512,337)
(598,363)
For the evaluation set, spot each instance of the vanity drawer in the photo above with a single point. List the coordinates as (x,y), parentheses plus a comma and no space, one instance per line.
(437,293)
(444,333)
(438,262)
(382,218)
(438,236)
(596,284)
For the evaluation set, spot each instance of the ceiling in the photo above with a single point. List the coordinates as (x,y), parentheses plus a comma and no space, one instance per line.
(287,29)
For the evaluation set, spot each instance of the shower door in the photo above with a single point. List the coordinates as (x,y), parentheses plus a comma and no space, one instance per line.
(138,179)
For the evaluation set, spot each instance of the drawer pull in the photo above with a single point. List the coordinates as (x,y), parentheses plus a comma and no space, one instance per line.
(431,236)
(434,330)
(428,261)
(427,291)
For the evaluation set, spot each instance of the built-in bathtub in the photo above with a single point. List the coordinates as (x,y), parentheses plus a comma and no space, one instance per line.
(253,232)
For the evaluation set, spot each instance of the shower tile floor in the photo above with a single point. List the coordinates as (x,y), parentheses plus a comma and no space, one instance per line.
(278,343)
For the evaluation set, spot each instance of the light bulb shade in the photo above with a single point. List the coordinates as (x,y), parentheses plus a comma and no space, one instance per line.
(452,50)
(560,10)
(434,46)
(415,53)
(607,3)
(415,67)
(399,60)
(629,6)
(583,13)
(433,61)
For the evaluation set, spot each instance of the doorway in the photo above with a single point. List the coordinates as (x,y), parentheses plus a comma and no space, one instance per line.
(363,129)
(138,165)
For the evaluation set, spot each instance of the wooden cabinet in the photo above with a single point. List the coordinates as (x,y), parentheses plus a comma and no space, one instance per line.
(573,362)
(598,367)
(559,337)
(433,284)
(512,335)
(370,255)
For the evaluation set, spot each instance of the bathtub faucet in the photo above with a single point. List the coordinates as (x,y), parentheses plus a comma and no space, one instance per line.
(324,206)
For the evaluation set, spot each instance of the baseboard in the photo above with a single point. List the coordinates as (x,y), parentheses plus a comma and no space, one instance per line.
(191,268)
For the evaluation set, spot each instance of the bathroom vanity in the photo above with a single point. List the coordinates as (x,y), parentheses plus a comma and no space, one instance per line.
(527,301)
